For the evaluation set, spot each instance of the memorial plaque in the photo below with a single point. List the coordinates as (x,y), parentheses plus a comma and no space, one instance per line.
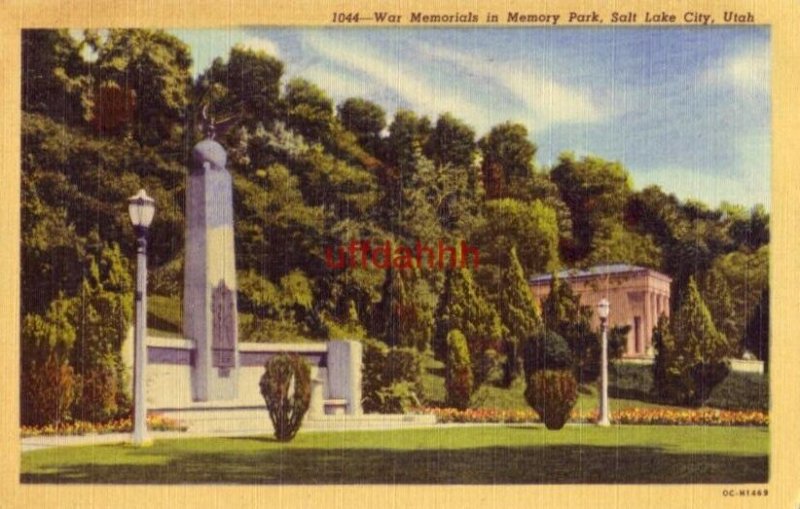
(224,327)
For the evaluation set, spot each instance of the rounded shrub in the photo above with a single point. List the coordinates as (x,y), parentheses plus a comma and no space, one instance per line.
(546,350)
(552,394)
(286,387)
(458,371)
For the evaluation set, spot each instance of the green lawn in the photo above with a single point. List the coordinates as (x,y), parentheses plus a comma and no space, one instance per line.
(466,455)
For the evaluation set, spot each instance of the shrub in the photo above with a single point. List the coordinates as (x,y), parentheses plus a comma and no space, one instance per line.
(552,394)
(458,371)
(741,391)
(546,350)
(99,391)
(48,390)
(391,378)
(690,359)
(396,398)
(286,387)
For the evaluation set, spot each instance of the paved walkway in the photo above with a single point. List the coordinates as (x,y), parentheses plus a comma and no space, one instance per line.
(262,427)
(45,442)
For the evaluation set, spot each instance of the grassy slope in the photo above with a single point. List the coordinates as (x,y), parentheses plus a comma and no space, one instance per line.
(586,454)
(629,386)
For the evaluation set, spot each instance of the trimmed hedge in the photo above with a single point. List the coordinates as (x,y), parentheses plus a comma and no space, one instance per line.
(458,371)
(552,393)
(286,387)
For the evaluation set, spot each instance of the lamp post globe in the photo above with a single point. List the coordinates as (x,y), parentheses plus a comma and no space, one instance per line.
(603,309)
(141,208)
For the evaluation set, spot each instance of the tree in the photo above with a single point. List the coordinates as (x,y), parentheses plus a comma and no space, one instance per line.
(272,217)
(664,345)
(101,317)
(451,142)
(348,191)
(746,274)
(408,134)
(48,385)
(563,313)
(156,67)
(390,312)
(545,350)
(518,313)
(530,228)
(752,231)
(54,77)
(365,119)
(309,110)
(458,371)
(248,84)
(595,192)
(694,362)
(613,243)
(462,307)
(717,295)
(52,251)
(507,153)
(756,338)
(401,318)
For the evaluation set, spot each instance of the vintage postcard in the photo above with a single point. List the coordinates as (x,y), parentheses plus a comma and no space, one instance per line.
(415,254)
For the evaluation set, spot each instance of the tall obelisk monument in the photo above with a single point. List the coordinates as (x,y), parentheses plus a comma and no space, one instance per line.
(209,296)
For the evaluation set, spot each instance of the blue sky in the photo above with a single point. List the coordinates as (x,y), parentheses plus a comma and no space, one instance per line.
(682,107)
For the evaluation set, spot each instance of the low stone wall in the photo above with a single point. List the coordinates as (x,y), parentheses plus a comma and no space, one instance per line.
(747,366)
(335,372)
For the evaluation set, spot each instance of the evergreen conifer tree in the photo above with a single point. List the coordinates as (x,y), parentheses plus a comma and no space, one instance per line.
(518,313)
(461,306)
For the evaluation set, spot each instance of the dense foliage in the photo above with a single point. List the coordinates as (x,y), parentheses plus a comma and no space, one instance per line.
(391,378)
(309,174)
(286,388)
(458,371)
(691,354)
(552,393)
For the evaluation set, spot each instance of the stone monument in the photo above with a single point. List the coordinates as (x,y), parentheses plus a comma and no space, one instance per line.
(209,296)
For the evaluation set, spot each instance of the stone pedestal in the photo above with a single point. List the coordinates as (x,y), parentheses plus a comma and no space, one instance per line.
(316,409)
(209,297)
(344,374)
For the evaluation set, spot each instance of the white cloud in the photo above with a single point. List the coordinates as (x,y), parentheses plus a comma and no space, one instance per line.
(399,78)
(547,102)
(337,85)
(748,70)
(708,187)
(262,44)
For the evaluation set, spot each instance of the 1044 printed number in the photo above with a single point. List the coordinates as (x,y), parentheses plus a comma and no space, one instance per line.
(345,17)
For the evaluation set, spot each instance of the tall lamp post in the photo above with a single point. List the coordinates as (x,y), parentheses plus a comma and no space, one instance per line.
(141,209)
(602,312)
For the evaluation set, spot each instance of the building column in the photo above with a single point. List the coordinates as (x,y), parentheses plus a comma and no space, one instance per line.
(646,321)
(653,318)
(659,306)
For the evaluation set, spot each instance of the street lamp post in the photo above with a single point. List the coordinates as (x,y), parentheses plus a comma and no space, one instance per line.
(141,209)
(602,311)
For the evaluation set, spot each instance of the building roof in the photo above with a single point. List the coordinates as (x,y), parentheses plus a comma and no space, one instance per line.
(598,270)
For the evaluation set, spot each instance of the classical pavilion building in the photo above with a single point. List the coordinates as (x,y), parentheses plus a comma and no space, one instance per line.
(638,296)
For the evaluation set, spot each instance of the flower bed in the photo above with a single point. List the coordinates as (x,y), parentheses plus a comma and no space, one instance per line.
(702,416)
(154,423)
